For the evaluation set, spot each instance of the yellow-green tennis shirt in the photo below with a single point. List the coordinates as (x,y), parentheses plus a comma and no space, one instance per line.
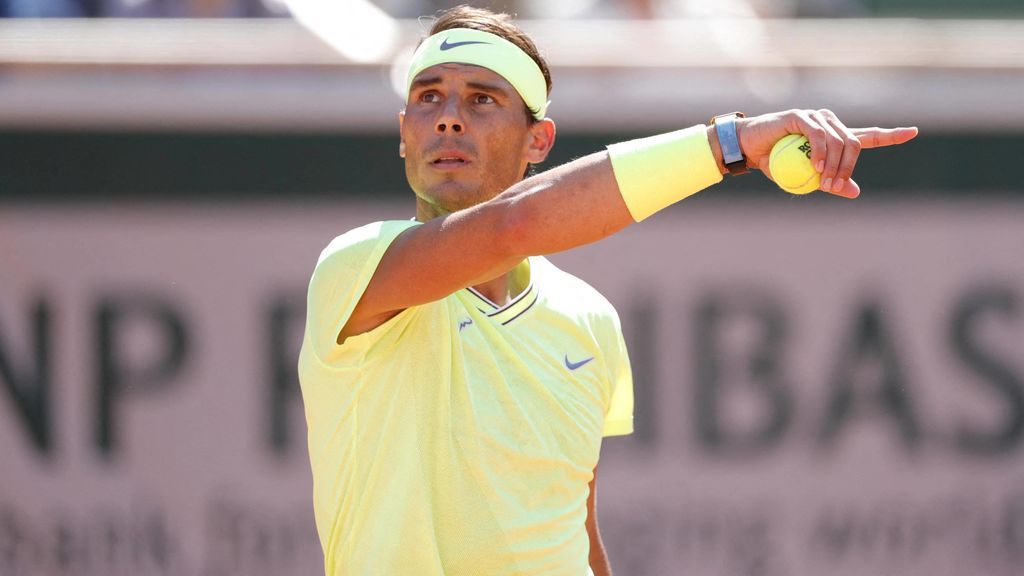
(458,438)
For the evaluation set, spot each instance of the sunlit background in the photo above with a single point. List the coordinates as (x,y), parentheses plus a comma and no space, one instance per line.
(823,386)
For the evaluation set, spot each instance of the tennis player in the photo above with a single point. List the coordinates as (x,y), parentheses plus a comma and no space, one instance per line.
(457,385)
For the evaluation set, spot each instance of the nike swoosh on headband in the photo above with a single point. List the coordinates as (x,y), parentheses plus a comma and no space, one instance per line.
(446,46)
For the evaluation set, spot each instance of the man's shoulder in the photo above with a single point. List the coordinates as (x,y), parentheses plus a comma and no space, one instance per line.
(568,292)
(366,237)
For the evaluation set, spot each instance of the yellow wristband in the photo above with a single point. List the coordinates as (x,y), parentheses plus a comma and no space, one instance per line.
(655,172)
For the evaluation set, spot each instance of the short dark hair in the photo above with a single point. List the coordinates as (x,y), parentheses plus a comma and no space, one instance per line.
(499,24)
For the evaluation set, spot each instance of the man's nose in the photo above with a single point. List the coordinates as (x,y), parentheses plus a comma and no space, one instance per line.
(450,119)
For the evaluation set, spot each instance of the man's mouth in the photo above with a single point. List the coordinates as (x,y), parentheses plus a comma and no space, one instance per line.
(450,160)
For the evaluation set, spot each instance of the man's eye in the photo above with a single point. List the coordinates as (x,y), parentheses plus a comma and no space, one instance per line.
(484,99)
(430,97)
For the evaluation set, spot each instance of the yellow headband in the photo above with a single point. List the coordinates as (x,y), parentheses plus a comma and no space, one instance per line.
(466,46)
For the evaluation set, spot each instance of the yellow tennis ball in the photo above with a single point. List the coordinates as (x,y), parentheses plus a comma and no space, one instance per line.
(790,165)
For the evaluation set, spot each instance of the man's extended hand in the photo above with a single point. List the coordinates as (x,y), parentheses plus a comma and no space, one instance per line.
(834,147)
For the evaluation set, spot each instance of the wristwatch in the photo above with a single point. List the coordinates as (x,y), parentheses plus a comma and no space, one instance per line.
(725,126)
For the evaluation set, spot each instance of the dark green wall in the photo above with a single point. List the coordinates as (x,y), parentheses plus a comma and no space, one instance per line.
(85,166)
(945,8)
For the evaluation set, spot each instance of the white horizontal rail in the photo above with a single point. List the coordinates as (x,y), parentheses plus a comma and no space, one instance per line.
(271,74)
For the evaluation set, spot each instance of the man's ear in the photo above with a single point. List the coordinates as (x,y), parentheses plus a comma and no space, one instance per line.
(541,140)
(401,134)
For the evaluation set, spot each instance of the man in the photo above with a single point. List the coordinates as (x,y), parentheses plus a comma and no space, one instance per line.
(457,385)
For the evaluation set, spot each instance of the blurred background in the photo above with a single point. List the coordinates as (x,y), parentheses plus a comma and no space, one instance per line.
(822,386)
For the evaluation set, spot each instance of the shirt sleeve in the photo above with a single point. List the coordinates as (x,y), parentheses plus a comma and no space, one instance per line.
(341,276)
(618,418)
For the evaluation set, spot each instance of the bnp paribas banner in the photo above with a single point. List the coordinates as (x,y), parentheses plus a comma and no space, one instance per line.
(821,388)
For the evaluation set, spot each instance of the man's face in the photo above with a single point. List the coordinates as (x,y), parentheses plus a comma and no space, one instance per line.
(466,137)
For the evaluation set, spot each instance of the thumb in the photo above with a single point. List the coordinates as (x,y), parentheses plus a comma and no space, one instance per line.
(850,190)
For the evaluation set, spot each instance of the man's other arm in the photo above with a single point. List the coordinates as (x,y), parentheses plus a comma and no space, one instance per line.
(598,557)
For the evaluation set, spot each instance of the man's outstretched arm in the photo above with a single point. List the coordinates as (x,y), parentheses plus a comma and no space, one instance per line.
(573,205)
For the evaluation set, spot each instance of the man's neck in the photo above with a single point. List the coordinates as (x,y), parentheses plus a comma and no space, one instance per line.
(504,288)
(500,290)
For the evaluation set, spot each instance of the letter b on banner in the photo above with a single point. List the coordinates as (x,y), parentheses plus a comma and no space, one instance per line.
(739,362)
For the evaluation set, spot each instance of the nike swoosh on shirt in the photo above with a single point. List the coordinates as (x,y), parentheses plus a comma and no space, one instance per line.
(574,365)
(446,46)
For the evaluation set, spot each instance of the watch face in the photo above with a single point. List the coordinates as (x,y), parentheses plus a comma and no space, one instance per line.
(732,155)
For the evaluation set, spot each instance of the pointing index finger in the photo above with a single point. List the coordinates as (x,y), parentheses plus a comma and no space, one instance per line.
(879,137)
